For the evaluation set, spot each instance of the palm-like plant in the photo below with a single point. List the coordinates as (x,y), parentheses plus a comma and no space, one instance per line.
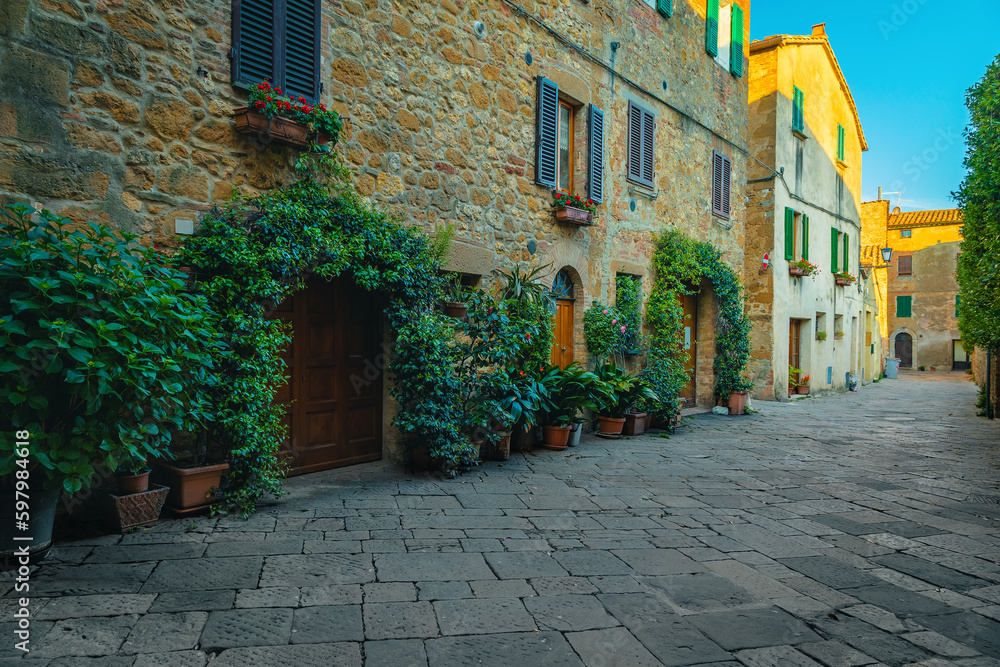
(569,390)
(621,391)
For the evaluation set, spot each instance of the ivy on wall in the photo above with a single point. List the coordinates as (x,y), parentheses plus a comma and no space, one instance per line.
(679,264)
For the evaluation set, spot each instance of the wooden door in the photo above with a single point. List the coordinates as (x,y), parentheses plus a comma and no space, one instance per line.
(334,395)
(689,343)
(904,350)
(794,332)
(562,349)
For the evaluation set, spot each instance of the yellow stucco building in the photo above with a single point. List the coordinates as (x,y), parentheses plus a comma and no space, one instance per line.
(917,291)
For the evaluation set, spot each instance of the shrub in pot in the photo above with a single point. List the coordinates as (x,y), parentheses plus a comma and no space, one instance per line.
(567,392)
(133,475)
(103,351)
(622,391)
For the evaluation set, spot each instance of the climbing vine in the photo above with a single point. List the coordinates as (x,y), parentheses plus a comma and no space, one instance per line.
(679,264)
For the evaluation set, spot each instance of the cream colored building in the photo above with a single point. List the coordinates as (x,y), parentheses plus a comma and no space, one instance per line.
(803,205)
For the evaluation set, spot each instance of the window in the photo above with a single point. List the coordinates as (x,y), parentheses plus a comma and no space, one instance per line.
(277,40)
(798,110)
(796,235)
(904,265)
(564,161)
(904,306)
(905,233)
(799,164)
(840,194)
(721,184)
(712,27)
(641,126)
(840,142)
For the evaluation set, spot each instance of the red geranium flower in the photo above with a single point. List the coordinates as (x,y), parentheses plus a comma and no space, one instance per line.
(302,99)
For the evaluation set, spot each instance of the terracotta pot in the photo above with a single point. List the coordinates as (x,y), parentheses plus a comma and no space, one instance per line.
(802,389)
(278,128)
(577,216)
(610,425)
(191,489)
(556,437)
(844,281)
(796,271)
(455,309)
(635,423)
(133,483)
(737,402)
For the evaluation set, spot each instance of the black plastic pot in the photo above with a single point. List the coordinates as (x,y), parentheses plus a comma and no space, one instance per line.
(41,513)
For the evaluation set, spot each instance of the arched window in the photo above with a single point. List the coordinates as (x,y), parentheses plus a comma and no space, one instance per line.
(562,286)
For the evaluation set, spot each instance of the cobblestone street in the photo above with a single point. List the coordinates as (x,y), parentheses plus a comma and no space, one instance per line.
(844,530)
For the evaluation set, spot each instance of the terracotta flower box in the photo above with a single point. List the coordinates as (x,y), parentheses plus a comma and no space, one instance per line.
(192,490)
(577,216)
(135,510)
(843,281)
(278,128)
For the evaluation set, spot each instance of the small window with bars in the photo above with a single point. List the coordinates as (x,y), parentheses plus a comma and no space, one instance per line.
(277,40)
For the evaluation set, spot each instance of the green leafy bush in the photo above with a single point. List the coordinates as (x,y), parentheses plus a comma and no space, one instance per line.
(103,350)
(605,332)
(621,391)
(628,303)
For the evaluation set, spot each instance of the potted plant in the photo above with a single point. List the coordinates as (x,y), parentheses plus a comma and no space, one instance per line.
(285,118)
(838,335)
(567,392)
(793,378)
(821,335)
(455,297)
(193,480)
(845,278)
(620,392)
(802,267)
(572,208)
(133,475)
(802,387)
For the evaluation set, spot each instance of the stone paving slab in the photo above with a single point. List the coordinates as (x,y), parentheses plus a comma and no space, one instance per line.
(503,650)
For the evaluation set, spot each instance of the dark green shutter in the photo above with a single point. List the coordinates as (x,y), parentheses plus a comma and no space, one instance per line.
(798,116)
(253,42)
(595,179)
(302,48)
(789,234)
(845,263)
(904,306)
(547,116)
(805,237)
(712,27)
(840,142)
(957,301)
(736,42)
(834,240)
(665,7)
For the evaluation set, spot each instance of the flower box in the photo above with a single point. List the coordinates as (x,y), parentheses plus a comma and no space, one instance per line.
(577,216)
(796,271)
(844,281)
(278,128)
(135,510)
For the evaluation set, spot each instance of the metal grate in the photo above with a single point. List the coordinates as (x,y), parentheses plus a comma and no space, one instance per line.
(984,500)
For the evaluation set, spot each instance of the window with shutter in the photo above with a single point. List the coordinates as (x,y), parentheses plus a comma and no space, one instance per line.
(904,306)
(789,234)
(834,242)
(805,237)
(798,115)
(721,184)
(277,40)
(904,265)
(712,27)
(840,142)
(736,41)
(665,7)
(546,132)
(845,263)
(595,178)
(641,130)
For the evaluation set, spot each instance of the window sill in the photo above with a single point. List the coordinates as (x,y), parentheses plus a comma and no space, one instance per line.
(637,188)
(841,164)
(798,134)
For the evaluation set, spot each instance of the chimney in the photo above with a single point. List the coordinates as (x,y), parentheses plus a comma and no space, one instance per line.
(880,193)
(819,29)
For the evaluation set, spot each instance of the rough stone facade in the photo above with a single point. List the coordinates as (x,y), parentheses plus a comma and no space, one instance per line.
(800,170)
(119,110)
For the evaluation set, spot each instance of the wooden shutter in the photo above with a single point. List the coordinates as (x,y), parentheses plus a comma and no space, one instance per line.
(805,237)
(648,132)
(834,240)
(253,41)
(712,27)
(904,265)
(798,117)
(840,142)
(736,41)
(721,184)
(665,7)
(845,262)
(547,116)
(904,306)
(595,179)
(301,56)
(789,234)
(727,184)
(641,127)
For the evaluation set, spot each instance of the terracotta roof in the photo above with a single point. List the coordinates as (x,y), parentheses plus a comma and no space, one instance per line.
(948,216)
(822,40)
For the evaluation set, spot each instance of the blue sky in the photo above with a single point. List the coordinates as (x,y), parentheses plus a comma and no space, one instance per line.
(908,63)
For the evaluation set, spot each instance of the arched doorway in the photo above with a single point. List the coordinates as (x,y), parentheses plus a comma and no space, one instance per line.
(904,350)
(562,293)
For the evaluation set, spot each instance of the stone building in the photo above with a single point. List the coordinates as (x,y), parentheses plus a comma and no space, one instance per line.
(920,291)
(456,113)
(804,196)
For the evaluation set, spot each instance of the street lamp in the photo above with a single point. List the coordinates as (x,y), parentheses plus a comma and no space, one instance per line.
(886,254)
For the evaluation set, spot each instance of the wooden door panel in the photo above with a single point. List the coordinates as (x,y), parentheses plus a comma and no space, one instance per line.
(562,348)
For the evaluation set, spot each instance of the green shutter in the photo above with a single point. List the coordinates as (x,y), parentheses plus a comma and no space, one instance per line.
(665,7)
(712,27)
(789,234)
(805,237)
(798,103)
(957,301)
(840,142)
(834,240)
(904,306)
(736,42)
(845,262)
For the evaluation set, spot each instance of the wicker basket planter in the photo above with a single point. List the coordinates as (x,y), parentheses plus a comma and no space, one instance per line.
(496,452)
(135,510)
(277,129)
